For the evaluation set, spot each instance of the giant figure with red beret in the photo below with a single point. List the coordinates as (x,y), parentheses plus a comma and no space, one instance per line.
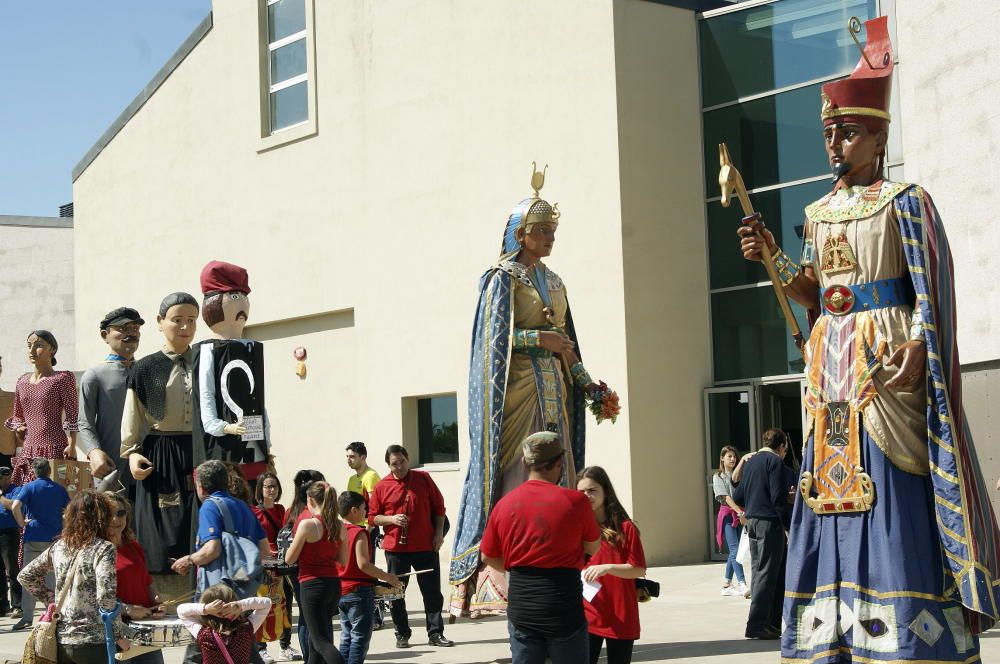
(893,546)
(230,420)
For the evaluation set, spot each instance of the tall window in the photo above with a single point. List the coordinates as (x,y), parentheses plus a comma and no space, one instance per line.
(761,73)
(437,429)
(288,74)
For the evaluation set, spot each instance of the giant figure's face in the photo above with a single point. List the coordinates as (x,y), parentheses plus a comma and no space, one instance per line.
(235,311)
(123,340)
(854,149)
(179,325)
(539,240)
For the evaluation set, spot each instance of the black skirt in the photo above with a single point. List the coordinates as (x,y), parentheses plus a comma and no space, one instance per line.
(164,501)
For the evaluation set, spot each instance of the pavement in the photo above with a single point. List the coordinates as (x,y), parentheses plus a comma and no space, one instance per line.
(689,623)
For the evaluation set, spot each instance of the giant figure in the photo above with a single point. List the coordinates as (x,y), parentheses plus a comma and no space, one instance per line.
(892,552)
(230,421)
(525,376)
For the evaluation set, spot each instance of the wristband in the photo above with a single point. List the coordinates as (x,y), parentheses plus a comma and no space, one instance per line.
(527,339)
(786,268)
(580,375)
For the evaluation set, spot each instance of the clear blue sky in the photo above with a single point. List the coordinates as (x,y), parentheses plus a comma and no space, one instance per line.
(69,68)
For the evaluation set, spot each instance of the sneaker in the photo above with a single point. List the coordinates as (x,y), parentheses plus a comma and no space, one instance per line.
(290,654)
(744,589)
(402,642)
(20,624)
(265,656)
(15,612)
(731,591)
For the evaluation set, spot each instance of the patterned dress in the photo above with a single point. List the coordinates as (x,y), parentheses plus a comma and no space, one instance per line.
(47,409)
(877,542)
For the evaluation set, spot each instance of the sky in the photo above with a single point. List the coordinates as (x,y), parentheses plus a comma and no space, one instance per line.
(70,67)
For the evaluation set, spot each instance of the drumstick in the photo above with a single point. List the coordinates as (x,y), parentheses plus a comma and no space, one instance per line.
(416,571)
(180,598)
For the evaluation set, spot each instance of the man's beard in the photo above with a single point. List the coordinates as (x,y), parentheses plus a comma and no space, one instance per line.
(840,170)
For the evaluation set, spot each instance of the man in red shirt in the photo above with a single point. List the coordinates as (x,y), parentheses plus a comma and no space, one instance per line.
(539,533)
(409,508)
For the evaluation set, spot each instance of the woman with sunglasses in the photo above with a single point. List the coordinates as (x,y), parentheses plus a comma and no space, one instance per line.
(136,590)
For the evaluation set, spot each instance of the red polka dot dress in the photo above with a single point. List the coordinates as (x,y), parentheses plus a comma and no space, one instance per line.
(47,409)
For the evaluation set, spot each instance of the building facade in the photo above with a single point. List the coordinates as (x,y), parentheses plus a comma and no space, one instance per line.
(360,159)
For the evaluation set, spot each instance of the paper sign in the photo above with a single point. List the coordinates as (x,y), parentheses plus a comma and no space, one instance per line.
(254,425)
(590,588)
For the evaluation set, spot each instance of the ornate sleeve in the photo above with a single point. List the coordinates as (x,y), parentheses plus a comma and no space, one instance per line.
(67,395)
(17,419)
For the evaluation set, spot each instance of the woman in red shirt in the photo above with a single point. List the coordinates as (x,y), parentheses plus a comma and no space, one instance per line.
(136,590)
(278,624)
(320,542)
(613,613)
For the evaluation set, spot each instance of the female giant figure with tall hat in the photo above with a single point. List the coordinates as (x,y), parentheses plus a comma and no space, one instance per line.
(525,376)
(892,551)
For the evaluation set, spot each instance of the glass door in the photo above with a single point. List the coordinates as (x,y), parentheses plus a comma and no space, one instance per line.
(730,419)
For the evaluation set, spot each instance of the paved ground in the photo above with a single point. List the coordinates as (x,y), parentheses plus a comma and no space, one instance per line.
(690,622)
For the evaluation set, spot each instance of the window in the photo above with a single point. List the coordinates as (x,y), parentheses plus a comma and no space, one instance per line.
(287,71)
(430,424)
(288,75)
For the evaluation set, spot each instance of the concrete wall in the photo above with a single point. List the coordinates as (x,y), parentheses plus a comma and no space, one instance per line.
(429,115)
(665,267)
(36,291)
(981,393)
(950,103)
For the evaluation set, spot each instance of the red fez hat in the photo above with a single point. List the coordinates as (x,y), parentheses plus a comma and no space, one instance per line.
(222,277)
(864,95)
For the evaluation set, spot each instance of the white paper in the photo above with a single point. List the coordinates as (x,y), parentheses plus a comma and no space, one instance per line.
(590,588)
(254,424)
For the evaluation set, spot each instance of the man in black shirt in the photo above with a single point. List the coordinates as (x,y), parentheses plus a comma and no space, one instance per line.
(763,489)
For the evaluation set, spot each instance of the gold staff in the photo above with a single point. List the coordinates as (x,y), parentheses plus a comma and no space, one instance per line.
(731,181)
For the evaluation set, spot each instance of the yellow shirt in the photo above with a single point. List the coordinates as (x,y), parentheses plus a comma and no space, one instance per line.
(363,484)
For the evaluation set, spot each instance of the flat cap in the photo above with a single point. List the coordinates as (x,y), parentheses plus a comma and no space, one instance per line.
(120,316)
(541,447)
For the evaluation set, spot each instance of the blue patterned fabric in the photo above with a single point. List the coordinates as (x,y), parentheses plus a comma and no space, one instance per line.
(510,243)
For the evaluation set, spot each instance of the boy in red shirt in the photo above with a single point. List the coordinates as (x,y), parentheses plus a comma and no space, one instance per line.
(357,597)
(539,532)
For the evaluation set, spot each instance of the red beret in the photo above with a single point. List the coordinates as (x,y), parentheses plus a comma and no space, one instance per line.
(222,277)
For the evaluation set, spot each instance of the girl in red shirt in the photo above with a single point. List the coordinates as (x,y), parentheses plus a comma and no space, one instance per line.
(613,613)
(271,515)
(319,544)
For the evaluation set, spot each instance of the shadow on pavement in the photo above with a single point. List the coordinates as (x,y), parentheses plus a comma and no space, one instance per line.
(655,652)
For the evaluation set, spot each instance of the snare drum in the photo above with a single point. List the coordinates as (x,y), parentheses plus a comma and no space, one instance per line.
(388,594)
(161,633)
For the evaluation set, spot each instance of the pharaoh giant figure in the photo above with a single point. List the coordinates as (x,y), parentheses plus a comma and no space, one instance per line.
(892,551)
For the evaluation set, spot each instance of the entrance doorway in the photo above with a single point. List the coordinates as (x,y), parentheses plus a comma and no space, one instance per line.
(738,415)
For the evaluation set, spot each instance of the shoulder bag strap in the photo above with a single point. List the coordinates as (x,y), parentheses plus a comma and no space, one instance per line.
(270,519)
(227,519)
(222,647)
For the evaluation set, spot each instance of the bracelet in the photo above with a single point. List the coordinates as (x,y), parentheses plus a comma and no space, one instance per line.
(787,268)
(580,375)
(527,339)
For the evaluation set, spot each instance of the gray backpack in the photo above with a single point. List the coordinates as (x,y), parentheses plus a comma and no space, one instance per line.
(239,565)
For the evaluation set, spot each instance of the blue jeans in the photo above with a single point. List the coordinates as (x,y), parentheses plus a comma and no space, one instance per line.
(732,535)
(357,611)
(530,647)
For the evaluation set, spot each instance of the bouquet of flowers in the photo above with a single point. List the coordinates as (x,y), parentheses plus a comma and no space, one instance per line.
(604,403)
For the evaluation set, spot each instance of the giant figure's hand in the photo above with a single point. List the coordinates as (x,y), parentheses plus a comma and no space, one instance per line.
(140,466)
(911,358)
(555,341)
(750,244)
(101,464)
(234,429)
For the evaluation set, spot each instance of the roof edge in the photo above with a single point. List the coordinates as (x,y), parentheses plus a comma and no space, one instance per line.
(140,100)
(35,222)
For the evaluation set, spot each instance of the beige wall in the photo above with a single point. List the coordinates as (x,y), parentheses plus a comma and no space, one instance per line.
(950,104)
(392,211)
(666,284)
(36,292)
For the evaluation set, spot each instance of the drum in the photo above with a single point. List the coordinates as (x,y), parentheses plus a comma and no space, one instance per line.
(388,594)
(161,633)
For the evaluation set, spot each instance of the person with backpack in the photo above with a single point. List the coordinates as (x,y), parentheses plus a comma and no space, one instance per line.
(223,625)
(320,543)
(230,542)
